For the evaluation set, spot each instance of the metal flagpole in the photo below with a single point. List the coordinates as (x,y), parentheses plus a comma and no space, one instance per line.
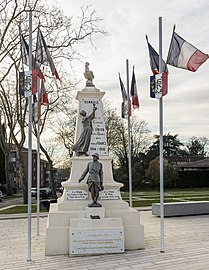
(38,163)
(30,140)
(161,146)
(129,138)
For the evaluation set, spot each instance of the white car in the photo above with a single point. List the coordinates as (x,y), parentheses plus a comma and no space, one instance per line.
(1,196)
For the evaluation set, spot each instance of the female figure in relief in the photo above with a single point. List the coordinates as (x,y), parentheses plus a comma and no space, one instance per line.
(82,145)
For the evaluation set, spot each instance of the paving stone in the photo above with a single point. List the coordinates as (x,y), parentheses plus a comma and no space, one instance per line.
(186,247)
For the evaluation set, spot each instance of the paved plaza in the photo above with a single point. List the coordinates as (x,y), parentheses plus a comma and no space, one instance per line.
(186,247)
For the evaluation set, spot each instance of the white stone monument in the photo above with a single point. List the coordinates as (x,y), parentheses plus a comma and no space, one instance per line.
(74,228)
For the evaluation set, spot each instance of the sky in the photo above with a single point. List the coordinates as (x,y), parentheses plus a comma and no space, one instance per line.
(186,107)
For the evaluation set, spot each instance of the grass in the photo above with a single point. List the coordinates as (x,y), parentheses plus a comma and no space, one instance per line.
(141,198)
(147,197)
(20,209)
(148,202)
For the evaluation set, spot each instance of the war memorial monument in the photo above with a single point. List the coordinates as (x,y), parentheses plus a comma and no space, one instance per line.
(91,217)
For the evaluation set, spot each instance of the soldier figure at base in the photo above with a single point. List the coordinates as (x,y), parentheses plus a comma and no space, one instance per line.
(95,179)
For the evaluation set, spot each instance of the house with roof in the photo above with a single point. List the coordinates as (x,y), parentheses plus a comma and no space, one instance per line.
(194,174)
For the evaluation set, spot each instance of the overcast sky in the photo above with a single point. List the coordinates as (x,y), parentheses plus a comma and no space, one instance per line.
(186,107)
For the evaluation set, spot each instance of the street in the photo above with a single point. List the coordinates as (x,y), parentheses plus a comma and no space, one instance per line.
(7,201)
(15,200)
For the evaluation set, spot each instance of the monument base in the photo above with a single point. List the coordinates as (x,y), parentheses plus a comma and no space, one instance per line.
(100,236)
(109,222)
(71,214)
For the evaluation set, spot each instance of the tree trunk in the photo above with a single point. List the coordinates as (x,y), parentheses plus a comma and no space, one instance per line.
(52,183)
(22,174)
(9,183)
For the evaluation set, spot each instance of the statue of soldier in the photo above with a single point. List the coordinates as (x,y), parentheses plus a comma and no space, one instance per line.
(95,179)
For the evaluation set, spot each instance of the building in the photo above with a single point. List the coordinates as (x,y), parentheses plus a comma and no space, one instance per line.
(181,160)
(14,165)
(194,174)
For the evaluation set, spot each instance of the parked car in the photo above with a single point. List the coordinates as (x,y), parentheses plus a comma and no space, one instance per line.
(1,196)
(45,193)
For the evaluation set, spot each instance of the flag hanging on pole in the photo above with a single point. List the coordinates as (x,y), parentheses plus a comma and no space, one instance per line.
(184,55)
(134,95)
(25,57)
(38,102)
(35,109)
(43,96)
(24,48)
(158,82)
(23,76)
(123,90)
(154,60)
(126,105)
(43,55)
(22,83)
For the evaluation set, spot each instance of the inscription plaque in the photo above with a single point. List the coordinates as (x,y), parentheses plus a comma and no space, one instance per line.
(77,194)
(109,195)
(96,241)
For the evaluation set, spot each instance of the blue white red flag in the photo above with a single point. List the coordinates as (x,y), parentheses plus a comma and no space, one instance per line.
(154,60)
(134,95)
(126,105)
(43,55)
(123,90)
(184,55)
(25,57)
(158,83)
(36,71)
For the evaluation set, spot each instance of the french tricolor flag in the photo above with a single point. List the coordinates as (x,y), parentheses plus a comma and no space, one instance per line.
(134,95)
(184,55)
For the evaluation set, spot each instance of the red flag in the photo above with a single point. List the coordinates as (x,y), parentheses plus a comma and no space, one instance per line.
(164,83)
(43,55)
(34,81)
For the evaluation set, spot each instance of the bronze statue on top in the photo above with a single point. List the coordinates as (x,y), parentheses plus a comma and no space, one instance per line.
(89,75)
(95,179)
(82,145)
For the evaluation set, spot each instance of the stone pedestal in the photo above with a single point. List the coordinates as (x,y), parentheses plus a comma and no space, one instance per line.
(71,213)
(96,236)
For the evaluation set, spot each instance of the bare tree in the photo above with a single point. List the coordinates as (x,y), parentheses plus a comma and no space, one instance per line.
(62,34)
(117,135)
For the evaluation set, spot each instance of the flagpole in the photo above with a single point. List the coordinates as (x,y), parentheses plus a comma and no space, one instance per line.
(129,137)
(30,140)
(161,146)
(38,163)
